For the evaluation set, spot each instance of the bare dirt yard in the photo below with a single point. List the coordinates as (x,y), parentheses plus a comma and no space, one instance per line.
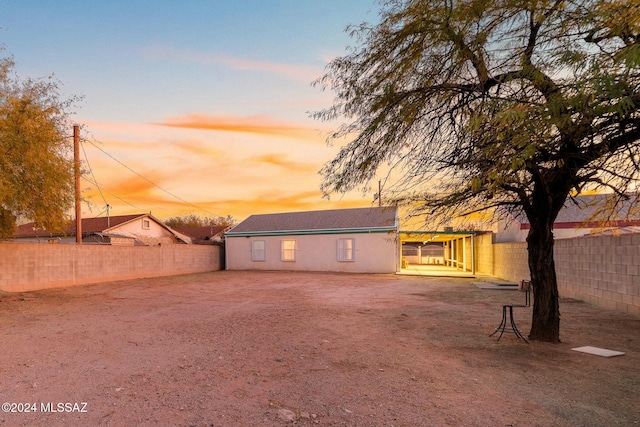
(275,349)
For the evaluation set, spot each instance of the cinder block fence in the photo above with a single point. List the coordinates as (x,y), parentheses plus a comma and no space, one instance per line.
(32,266)
(602,270)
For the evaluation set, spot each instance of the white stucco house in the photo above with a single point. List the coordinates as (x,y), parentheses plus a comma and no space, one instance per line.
(361,240)
(126,230)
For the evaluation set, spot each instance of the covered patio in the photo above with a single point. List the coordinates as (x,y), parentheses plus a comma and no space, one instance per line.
(437,253)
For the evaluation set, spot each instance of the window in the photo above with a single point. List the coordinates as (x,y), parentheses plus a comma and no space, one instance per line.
(258,250)
(288,250)
(146,224)
(346,250)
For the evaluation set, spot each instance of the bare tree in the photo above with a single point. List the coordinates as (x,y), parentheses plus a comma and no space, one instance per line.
(477,105)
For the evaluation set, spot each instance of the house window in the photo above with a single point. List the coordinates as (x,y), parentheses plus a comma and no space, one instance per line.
(258,250)
(346,249)
(146,224)
(288,250)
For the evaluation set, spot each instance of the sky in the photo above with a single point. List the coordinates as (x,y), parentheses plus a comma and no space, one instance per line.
(192,107)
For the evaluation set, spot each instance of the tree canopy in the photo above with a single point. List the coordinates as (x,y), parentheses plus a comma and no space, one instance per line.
(36,164)
(510,104)
(199,221)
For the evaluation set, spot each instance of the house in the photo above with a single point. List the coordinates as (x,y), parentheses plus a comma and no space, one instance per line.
(141,229)
(582,216)
(206,235)
(361,240)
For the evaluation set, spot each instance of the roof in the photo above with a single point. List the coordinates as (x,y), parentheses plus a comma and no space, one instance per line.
(590,211)
(612,232)
(89,225)
(92,226)
(202,233)
(357,220)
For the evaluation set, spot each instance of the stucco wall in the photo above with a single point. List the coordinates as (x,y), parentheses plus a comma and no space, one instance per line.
(603,270)
(31,266)
(374,253)
(153,235)
(509,231)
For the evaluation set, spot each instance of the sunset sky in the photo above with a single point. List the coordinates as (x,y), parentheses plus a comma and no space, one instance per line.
(192,107)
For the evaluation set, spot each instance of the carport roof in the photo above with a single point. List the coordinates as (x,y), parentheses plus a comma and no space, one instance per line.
(358,220)
(433,236)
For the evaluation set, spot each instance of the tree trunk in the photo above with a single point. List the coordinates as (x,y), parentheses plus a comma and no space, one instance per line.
(545,324)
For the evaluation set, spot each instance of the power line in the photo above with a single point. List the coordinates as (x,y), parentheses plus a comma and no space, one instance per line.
(114,195)
(120,198)
(86,159)
(147,180)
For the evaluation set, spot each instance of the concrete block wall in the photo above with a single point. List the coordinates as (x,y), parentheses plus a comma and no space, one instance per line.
(603,270)
(510,261)
(32,266)
(484,253)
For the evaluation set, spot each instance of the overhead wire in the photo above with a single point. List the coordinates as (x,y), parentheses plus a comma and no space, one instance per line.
(121,199)
(142,177)
(86,159)
(114,195)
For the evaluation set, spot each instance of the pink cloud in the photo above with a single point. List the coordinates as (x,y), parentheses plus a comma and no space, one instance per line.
(286,163)
(302,73)
(252,124)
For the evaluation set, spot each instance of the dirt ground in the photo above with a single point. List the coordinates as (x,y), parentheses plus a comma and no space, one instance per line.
(275,349)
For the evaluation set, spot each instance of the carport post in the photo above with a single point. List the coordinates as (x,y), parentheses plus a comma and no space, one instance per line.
(473,254)
(464,253)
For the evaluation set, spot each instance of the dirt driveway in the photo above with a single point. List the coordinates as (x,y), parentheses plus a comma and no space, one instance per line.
(271,349)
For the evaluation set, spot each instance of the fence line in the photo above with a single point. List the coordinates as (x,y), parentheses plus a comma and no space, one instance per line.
(32,266)
(602,270)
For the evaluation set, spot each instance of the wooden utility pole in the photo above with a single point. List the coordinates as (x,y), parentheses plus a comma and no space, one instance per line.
(76,170)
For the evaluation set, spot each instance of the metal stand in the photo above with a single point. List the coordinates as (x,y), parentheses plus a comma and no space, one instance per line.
(511,324)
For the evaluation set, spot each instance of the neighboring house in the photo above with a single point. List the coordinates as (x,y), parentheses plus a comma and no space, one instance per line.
(616,232)
(207,235)
(141,229)
(362,240)
(587,215)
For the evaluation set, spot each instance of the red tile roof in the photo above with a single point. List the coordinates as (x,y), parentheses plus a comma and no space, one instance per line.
(89,225)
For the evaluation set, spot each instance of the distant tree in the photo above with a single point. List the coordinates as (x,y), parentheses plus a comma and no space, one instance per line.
(476,105)
(199,221)
(36,153)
